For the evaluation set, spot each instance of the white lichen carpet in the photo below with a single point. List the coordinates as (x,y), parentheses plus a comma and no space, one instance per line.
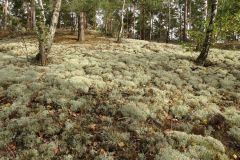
(135,100)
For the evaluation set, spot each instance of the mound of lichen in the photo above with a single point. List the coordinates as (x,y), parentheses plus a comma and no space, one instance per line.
(135,100)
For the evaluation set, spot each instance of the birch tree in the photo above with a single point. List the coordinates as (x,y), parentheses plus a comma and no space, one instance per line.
(185,24)
(119,39)
(5,14)
(209,34)
(81,27)
(45,34)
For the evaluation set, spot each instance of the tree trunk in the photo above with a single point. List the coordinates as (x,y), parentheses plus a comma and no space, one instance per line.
(85,21)
(29,15)
(119,39)
(81,32)
(151,26)
(134,22)
(41,57)
(180,22)
(169,22)
(72,22)
(189,19)
(127,25)
(111,27)
(33,14)
(45,37)
(185,20)
(142,21)
(209,34)
(53,26)
(205,14)
(160,26)
(5,14)
(106,26)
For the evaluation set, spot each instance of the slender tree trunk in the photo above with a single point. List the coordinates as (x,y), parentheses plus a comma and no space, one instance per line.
(169,22)
(134,21)
(29,15)
(45,37)
(209,34)
(95,21)
(185,20)
(180,22)
(111,27)
(106,26)
(53,26)
(189,19)
(42,34)
(119,39)
(72,22)
(142,22)
(160,26)
(127,24)
(205,14)
(5,14)
(81,32)
(151,26)
(85,21)
(59,25)
(33,14)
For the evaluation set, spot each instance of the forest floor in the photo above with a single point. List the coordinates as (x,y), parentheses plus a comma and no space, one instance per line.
(131,101)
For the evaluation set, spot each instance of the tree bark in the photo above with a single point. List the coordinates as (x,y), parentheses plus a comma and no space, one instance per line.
(169,22)
(85,21)
(33,14)
(209,34)
(134,21)
(180,22)
(5,14)
(81,32)
(53,26)
(45,37)
(142,22)
(119,39)
(185,20)
(160,26)
(151,26)
(205,14)
(41,32)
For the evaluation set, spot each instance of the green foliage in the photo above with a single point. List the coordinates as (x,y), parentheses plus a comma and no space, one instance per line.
(228,20)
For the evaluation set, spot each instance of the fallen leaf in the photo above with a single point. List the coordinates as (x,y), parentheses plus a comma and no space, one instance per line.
(7,105)
(168,131)
(92,126)
(121,144)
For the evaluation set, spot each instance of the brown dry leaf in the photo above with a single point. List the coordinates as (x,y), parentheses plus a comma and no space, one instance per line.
(121,144)
(7,105)
(104,118)
(56,150)
(92,126)
(151,130)
(103,152)
(12,147)
(168,131)
(169,117)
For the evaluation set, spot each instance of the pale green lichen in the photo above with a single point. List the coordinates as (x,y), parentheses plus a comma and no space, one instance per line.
(235,133)
(180,111)
(117,87)
(137,111)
